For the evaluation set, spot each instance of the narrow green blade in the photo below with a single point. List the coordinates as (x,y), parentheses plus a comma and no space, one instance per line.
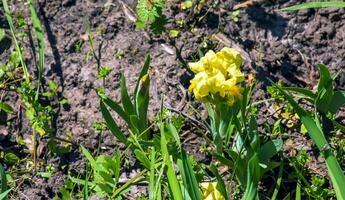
(303,91)
(143,159)
(188,176)
(338,100)
(40,42)
(111,124)
(172,179)
(88,156)
(117,108)
(142,101)
(3,179)
(220,182)
(126,101)
(253,178)
(337,4)
(143,71)
(4,194)
(18,49)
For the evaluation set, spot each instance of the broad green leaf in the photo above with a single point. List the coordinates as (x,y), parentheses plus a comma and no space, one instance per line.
(185,193)
(66,195)
(117,108)
(298,191)
(269,149)
(11,158)
(254,175)
(5,107)
(211,115)
(117,165)
(3,179)
(143,159)
(338,100)
(254,134)
(303,91)
(112,125)
(126,101)
(188,177)
(336,4)
(224,161)
(107,178)
(325,77)
(143,72)
(174,133)
(4,194)
(172,179)
(142,100)
(336,173)
(89,157)
(136,124)
(324,89)
(224,118)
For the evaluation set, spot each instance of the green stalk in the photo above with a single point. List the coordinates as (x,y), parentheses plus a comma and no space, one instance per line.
(34,146)
(279,181)
(10,23)
(128,183)
(40,42)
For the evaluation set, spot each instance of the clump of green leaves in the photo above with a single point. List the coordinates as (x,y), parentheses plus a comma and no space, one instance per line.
(134,113)
(103,72)
(150,12)
(326,103)
(104,179)
(235,15)
(38,115)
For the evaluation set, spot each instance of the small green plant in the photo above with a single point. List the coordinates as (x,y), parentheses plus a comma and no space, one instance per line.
(39,116)
(105,174)
(53,90)
(103,72)
(150,12)
(235,15)
(134,113)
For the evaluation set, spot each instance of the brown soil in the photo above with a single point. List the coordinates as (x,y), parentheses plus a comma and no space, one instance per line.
(278,45)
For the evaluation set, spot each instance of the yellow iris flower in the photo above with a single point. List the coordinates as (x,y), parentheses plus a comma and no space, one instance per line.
(210,192)
(217,74)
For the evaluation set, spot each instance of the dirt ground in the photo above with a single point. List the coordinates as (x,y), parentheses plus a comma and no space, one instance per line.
(279,45)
